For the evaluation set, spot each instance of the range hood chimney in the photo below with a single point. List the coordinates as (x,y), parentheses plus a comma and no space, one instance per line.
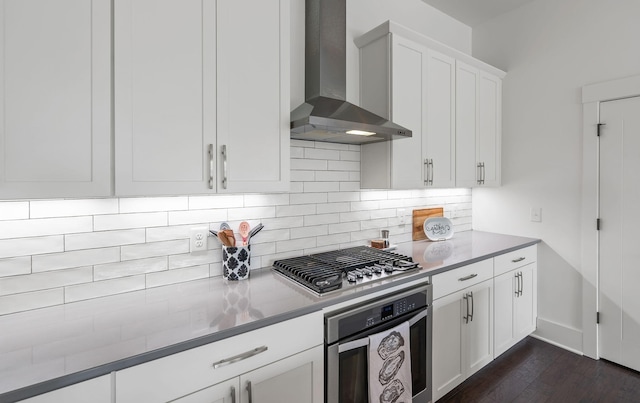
(326,115)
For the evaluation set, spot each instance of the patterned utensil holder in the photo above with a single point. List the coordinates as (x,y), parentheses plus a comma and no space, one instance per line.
(236,262)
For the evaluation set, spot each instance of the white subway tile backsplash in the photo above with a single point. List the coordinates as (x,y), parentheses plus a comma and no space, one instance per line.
(251,213)
(302,209)
(84,249)
(31,300)
(315,165)
(44,281)
(321,154)
(43,227)
(153,204)
(195,259)
(303,176)
(332,176)
(310,187)
(344,197)
(343,165)
(215,202)
(308,198)
(297,152)
(295,244)
(67,260)
(72,208)
(258,200)
(15,266)
(129,268)
(128,221)
(305,232)
(321,219)
(344,227)
(333,208)
(103,288)
(154,249)
(104,239)
(14,210)
(177,276)
(196,216)
(31,246)
(350,155)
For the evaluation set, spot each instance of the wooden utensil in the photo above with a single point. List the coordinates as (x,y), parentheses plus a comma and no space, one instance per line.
(223,238)
(243,230)
(419,217)
(231,238)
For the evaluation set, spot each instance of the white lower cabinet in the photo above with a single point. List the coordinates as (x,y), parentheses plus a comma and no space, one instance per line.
(97,390)
(462,336)
(480,311)
(294,379)
(515,306)
(278,363)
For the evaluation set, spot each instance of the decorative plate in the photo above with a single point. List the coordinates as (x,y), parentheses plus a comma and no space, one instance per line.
(438,228)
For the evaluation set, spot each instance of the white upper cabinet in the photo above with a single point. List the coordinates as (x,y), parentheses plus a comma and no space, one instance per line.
(478,127)
(55,101)
(253,95)
(450,101)
(201,96)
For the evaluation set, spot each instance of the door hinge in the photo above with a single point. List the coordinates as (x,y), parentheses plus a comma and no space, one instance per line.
(598,318)
(599,125)
(597,224)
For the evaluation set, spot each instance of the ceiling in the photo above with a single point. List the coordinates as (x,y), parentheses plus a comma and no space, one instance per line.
(475,12)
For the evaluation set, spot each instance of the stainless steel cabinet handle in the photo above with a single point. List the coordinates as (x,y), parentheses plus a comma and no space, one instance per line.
(432,171)
(249,391)
(233,394)
(521,283)
(520,259)
(210,166)
(466,316)
(224,166)
(483,173)
(240,357)
(426,172)
(472,303)
(479,173)
(469,277)
(517,285)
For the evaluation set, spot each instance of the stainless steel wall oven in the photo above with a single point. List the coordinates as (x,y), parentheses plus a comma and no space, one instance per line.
(347,343)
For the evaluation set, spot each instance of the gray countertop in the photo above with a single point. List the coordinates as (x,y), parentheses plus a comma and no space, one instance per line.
(49,348)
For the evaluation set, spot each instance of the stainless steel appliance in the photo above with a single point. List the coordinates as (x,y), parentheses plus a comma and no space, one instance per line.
(347,343)
(330,271)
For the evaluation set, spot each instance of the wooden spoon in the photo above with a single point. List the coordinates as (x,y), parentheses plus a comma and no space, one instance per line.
(244,232)
(223,238)
(231,238)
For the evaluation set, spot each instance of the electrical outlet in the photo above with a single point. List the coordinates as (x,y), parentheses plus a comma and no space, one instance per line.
(198,240)
(401,217)
(536,214)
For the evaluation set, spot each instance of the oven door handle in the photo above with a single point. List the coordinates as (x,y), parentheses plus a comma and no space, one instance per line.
(352,345)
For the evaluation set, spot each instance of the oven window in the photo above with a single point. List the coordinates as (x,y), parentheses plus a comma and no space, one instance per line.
(354,375)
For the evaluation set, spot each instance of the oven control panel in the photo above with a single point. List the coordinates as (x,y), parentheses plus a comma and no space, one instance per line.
(377,314)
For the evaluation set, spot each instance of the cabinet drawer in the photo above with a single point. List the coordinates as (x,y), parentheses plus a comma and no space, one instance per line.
(179,374)
(462,277)
(515,259)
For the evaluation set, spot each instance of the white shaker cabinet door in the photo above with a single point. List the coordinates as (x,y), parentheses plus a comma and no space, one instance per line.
(223,392)
(467,86)
(55,83)
(253,95)
(165,112)
(440,135)
(489,143)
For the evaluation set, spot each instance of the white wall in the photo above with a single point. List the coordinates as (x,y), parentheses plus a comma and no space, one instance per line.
(550,49)
(362,16)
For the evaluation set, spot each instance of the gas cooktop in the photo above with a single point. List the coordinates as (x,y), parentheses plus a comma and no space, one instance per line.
(328,271)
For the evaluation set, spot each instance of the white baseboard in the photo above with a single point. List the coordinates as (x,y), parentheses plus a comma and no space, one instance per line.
(559,335)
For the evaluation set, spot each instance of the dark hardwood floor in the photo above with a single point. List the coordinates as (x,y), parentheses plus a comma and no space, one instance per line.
(535,371)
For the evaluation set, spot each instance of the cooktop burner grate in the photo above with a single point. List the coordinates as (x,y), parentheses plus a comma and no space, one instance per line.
(324,272)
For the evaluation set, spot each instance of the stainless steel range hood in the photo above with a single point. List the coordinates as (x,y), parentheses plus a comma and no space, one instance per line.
(326,115)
